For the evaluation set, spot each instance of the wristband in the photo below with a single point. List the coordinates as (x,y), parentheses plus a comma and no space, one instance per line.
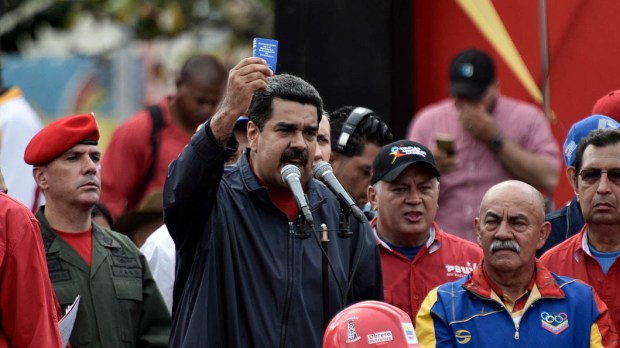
(497,143)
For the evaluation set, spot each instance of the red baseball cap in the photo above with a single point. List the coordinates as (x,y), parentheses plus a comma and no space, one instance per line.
(59,136)
(608,105)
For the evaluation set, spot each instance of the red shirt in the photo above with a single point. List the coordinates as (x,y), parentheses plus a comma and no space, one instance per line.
(572,258)
(128,157)
(81,242)
(444,258)
(281,197)
(27,300)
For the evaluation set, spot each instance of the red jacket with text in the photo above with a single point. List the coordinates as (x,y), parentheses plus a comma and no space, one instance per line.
(444,258)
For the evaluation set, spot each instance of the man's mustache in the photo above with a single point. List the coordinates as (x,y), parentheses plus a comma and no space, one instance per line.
(509,244)
(293,155)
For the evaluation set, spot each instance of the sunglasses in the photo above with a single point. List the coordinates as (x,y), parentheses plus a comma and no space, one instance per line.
(592,176)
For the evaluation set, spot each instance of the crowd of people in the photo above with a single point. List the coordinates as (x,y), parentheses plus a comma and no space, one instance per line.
(238,212)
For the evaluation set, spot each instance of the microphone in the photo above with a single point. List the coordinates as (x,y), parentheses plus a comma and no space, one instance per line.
(291,176)
(324,172)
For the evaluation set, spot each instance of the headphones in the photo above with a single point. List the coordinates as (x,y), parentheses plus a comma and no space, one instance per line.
(348,128)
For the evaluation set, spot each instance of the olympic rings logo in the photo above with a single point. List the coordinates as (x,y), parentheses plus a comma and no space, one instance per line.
(551,318)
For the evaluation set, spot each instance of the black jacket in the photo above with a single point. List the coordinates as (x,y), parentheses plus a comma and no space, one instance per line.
(565,222)
(243,278)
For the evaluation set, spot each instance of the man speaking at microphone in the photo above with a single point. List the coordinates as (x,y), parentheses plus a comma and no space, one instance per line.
(247,275)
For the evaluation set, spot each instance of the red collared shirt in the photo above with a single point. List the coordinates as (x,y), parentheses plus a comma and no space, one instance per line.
(572,258)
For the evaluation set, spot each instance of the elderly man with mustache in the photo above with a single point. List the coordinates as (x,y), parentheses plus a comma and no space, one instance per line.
(512,300)
(120,305)
(592,255)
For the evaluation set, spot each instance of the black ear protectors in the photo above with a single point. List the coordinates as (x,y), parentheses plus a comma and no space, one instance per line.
(348,128)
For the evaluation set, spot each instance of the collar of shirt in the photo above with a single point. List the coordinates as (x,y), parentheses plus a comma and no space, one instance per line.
(431,243)
(511,306)
(546,285)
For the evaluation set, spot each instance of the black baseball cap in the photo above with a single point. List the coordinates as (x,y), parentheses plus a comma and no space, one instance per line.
(471,73)
(395,157)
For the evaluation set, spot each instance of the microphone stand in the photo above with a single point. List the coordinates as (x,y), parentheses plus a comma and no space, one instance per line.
(306,225)
(325,273)
(343,228)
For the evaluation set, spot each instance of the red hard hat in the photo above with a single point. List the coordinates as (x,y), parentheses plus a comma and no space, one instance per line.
(370,324)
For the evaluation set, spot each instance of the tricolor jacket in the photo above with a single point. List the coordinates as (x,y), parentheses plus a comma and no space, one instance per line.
(560,312)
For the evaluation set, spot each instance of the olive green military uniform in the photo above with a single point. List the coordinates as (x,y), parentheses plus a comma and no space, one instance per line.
(120,304)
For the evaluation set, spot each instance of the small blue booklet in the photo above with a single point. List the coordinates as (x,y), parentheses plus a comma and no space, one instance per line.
(266,49)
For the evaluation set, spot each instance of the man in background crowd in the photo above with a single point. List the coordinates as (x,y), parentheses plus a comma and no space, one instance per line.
(479,138)
(568,221)
(136,160)
(592,255)
(357,134)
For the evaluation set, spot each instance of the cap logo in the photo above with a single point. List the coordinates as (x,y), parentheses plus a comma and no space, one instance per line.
(466,70)
(352,335)
(400,151)
(570,149)
(604,123)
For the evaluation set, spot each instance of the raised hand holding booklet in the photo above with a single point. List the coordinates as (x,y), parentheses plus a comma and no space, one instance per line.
(266,49)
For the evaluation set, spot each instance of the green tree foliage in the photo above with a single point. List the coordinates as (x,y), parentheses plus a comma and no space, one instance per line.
(146,19)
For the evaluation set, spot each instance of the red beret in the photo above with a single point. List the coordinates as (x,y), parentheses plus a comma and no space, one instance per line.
(60,136)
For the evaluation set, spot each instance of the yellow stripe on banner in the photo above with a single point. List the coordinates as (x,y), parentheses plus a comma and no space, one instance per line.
(486,18)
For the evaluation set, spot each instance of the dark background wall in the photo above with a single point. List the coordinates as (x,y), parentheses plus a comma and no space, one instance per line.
(354,52)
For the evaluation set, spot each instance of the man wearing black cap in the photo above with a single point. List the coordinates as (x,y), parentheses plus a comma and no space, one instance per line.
(494,138)
(416,255)
(120,305)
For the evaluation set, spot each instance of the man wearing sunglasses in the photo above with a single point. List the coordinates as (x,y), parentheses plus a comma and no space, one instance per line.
(568,221)
(591,255)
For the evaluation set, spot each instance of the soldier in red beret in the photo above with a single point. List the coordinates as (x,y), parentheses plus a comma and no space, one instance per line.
(120,303)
